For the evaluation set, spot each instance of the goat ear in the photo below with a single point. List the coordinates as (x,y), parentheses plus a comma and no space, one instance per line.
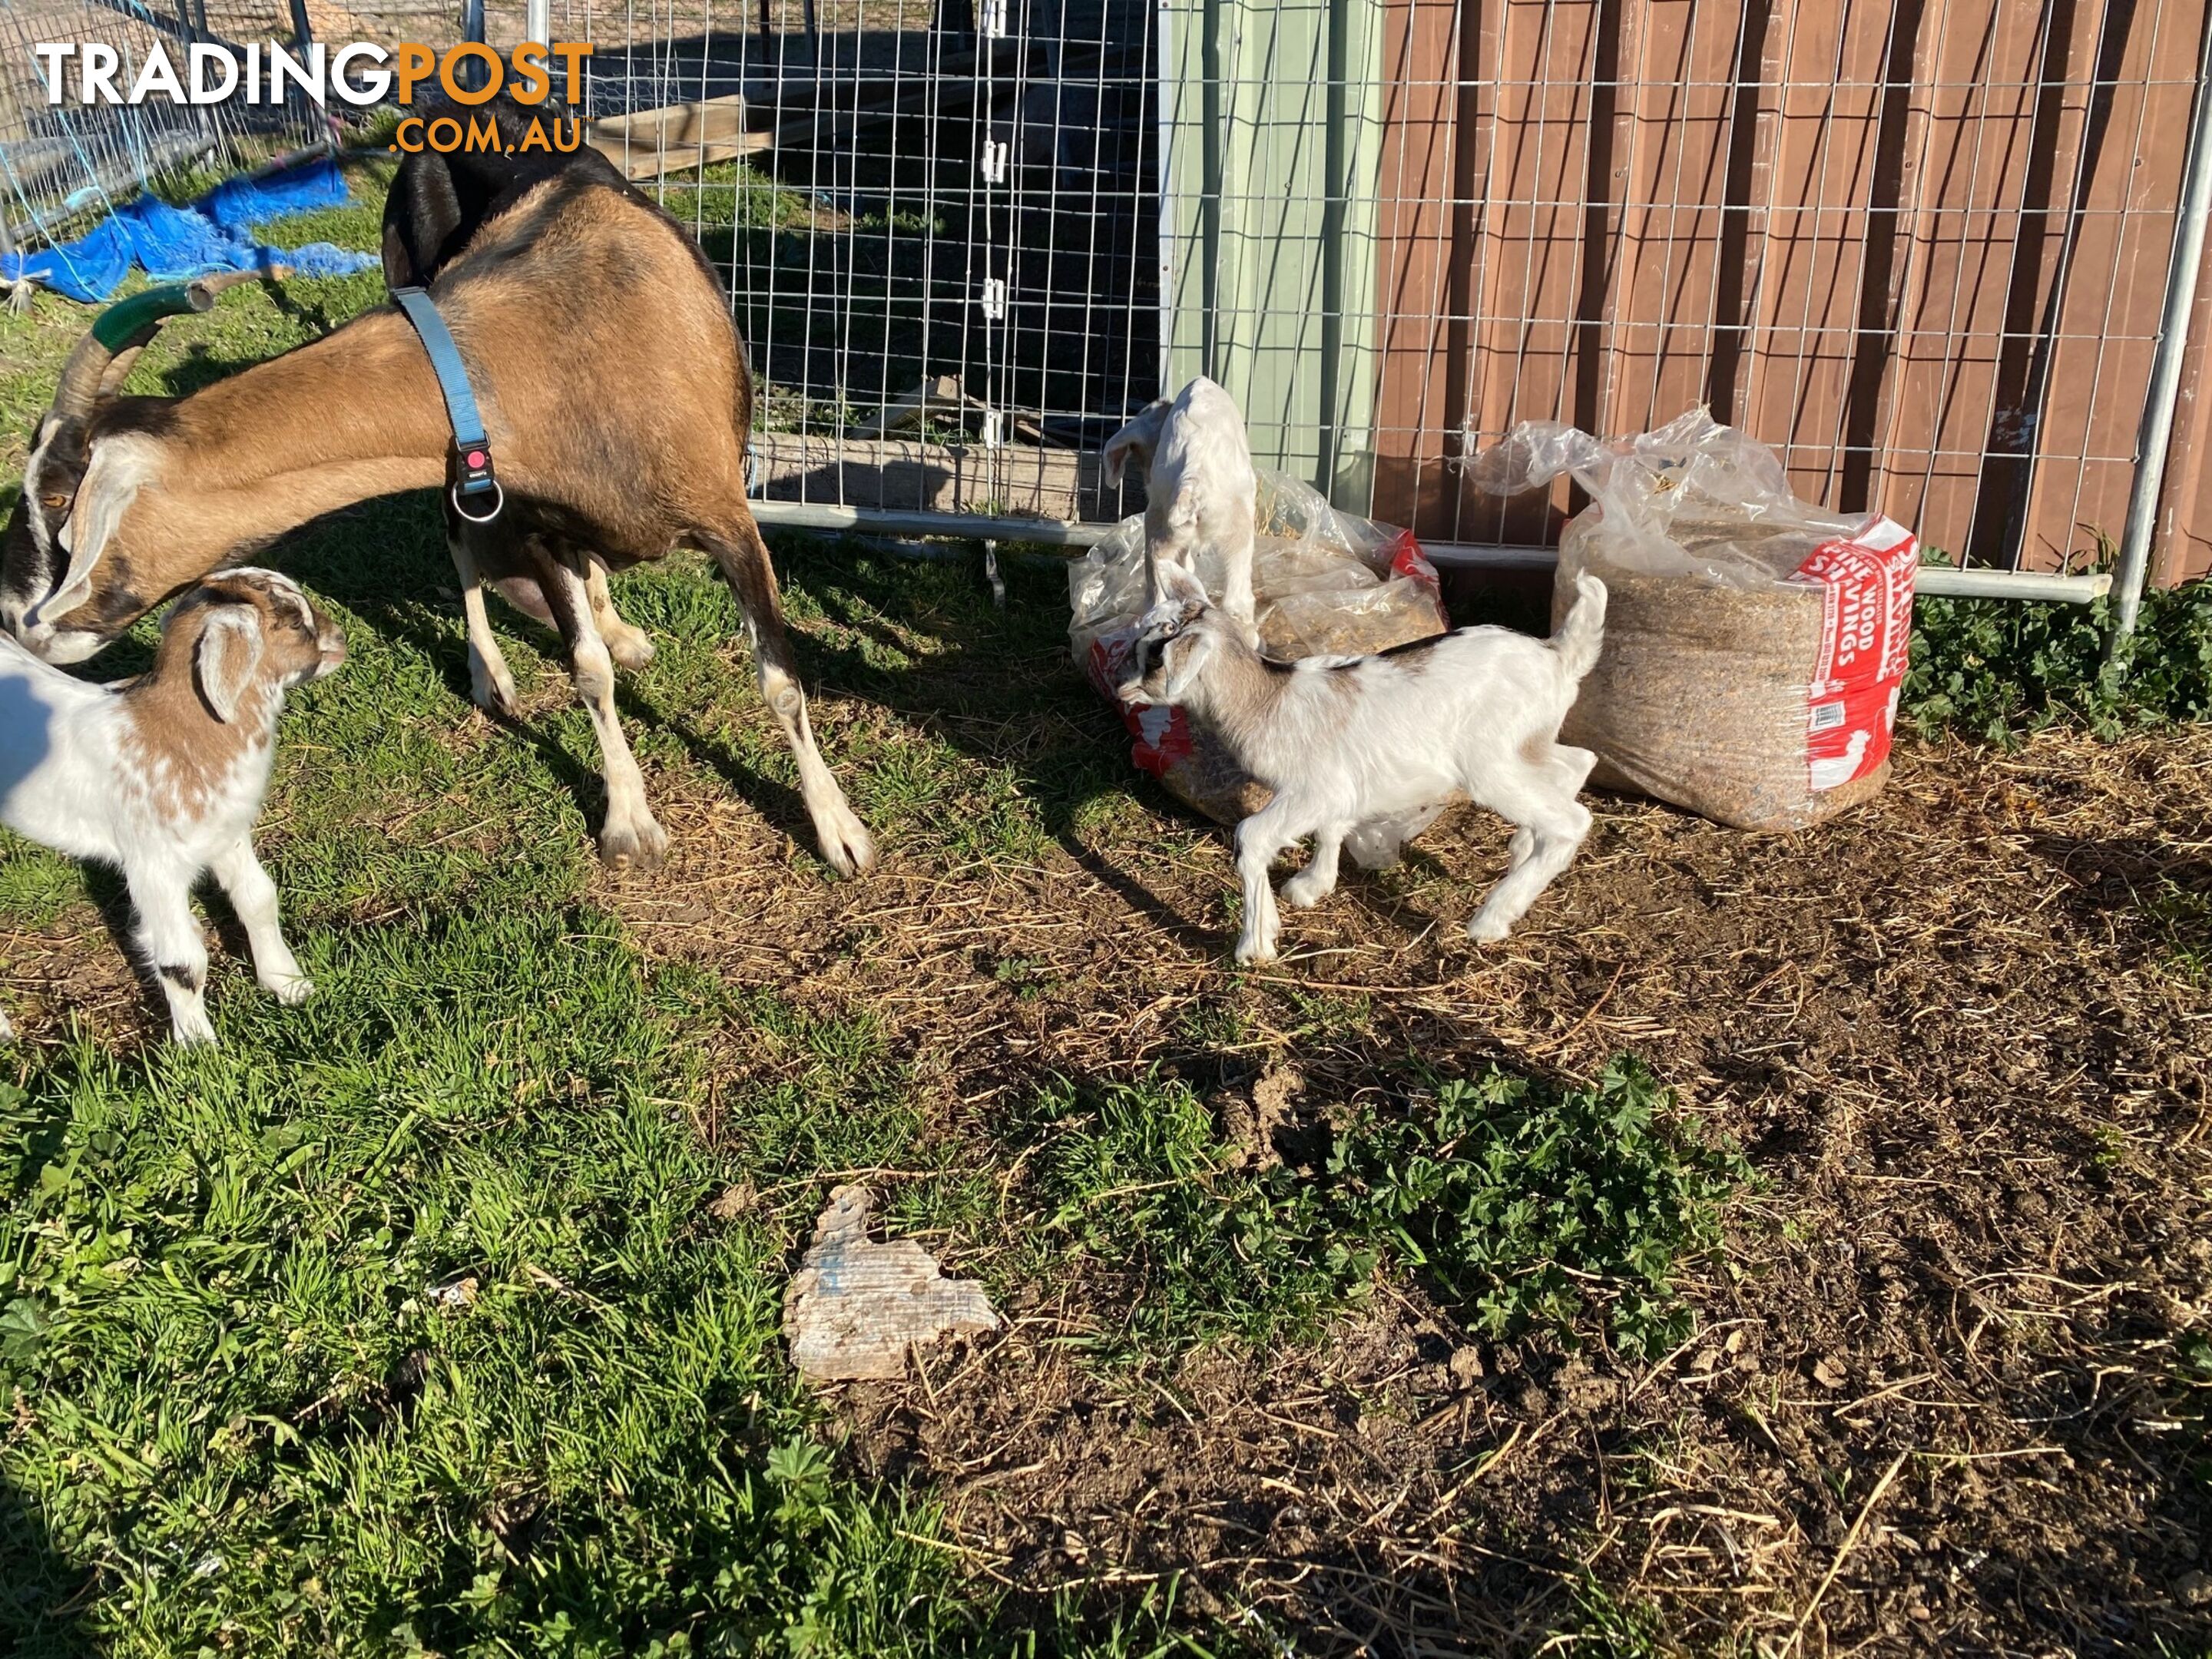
(228,652)
(1179,587)
(1138,437)
(111,482)
(1184,661)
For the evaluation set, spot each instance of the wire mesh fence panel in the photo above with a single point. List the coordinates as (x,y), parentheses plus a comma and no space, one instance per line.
(63,164)
(937,221)
(1920,248)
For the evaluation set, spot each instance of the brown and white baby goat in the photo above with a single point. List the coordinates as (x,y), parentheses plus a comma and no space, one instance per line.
(163,775)
(1357,747)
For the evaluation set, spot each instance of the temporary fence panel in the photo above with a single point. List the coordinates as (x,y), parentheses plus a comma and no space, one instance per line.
(1921,247)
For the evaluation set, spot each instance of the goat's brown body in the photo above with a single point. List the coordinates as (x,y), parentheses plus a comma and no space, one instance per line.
(556,285)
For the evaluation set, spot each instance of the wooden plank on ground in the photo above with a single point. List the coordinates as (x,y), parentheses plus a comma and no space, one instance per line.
(648,142)
(907,474)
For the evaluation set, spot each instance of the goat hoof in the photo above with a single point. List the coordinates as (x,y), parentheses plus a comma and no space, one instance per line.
(1300,894)
(630,651)
(290,989)
(191,1030)
(495,697)
(848,847)
(1487,932)
(1257,950)
(639,848)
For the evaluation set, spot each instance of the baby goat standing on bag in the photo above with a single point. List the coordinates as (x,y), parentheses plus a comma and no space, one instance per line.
(1350,743)
(163,775)
(1200,491)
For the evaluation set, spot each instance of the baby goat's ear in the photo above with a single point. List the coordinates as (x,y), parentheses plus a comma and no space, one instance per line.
(1183,662)
(1178,586)
(1138,438)
(229,651)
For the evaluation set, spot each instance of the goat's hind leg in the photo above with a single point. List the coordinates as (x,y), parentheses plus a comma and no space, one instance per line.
(743,556)
(1538,799)
(631,834)
(627,643)
(491,684)
(169,936)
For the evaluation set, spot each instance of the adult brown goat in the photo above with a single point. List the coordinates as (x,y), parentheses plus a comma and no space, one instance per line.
(616,395)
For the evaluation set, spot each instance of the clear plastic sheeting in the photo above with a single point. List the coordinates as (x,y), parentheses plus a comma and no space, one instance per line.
(1755,644)
(1325,583)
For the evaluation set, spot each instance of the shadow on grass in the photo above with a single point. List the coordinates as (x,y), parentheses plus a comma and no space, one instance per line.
(40,1590)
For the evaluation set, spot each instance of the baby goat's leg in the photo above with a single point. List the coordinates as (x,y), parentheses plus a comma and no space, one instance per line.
(1550,824)
(1259,839)
(1318,879)
(491,685)
(631,834)
(744,559)
(253,896)
(169,936)
(626,643)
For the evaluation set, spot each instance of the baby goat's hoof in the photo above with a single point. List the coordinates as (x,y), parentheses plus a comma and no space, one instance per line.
(1487,932)
(1302,890)
(847,846)
(637,847)
(495,696)
(290,989)
(1258,949)
(192,1030)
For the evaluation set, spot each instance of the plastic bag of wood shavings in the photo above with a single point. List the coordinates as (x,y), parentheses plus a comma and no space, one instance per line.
(1324,584)
(1754,644)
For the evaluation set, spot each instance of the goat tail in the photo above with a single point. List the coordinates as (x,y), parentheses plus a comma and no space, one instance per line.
(1581,635)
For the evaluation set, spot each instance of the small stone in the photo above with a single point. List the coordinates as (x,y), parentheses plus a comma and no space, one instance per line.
(1828,1371)
(2193,1590)
(1706,1362)
(1466,1365)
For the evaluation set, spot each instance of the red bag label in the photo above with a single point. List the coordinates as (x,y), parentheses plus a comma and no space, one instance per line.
(1161,735)
(1866,632)
(1407,560)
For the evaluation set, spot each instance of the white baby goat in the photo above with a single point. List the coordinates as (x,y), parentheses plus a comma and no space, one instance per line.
(1360,748)
(1200,490)
(163,775)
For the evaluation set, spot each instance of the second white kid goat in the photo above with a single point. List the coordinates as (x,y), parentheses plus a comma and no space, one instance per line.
(1357,748)
(1200,490)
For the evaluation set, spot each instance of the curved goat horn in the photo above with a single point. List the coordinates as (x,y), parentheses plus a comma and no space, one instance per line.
(122,332)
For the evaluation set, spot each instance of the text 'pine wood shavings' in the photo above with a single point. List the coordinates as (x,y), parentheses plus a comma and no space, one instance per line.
(854,1307)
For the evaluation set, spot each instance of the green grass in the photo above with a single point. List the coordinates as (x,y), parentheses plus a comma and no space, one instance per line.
(1521,1204)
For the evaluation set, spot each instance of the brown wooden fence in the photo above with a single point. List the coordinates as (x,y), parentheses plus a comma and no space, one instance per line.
(1920,245)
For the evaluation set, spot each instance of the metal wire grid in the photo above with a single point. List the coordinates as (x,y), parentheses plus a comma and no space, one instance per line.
(1554,244)
(940,244)
(1828,222)
(63,165)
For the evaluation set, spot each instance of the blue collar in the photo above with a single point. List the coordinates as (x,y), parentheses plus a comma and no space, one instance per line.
(471,471)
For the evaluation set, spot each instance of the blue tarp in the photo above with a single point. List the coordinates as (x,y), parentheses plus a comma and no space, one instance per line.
(214,233)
